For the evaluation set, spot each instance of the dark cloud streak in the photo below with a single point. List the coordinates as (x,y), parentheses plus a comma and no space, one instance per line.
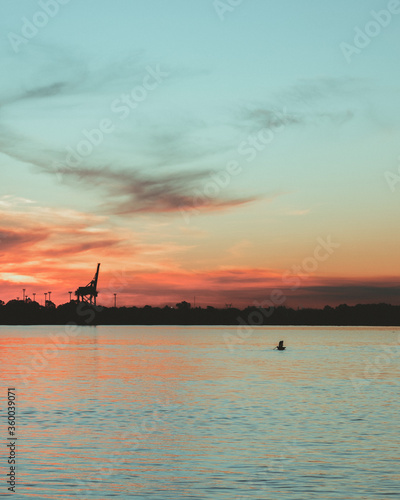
(10,239)
(308,102)
(131,191)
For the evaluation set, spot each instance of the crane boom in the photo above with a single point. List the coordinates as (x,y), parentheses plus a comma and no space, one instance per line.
(96,277)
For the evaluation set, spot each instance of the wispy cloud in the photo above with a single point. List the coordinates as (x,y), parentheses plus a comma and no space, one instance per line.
(40,92)
(307,102)
(59,72)
(131,191)
(267,117)
(127,190)
(31,232)
(14,239)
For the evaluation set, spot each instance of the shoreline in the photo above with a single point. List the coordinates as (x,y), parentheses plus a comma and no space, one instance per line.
(19,313)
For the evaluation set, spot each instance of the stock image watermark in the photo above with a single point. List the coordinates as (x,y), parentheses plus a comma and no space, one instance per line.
(218,181)
(11,440)
(282,459)
(48,9)
(294,277)
(121,107)
(363,36)
(393,178)
(135,435)
(59,341)
(376,366)
(224,7)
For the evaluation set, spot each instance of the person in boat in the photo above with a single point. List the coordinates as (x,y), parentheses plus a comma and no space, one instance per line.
(280,346)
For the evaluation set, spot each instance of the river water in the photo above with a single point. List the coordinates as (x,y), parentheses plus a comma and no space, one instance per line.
(162,413)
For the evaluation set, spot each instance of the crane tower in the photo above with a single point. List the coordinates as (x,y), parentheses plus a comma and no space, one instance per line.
(89,292)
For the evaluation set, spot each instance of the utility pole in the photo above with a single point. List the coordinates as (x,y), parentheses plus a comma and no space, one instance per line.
(70,296)
(49,296)
(34,297)
(115,300)
(45,299)
(23,294)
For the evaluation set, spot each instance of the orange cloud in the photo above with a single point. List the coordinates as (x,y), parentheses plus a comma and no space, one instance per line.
(46,249)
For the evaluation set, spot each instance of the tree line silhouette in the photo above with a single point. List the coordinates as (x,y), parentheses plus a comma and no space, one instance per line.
(18,312)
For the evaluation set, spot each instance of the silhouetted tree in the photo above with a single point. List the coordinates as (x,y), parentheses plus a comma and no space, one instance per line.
(183,306)
(19,312)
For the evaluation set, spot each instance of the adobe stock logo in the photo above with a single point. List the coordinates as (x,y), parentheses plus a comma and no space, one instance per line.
(393,178)
(40,19)
(121,107)
(222,7)
(372,29)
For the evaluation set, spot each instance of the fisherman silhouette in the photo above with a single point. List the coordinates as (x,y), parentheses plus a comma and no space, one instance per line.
(280,346)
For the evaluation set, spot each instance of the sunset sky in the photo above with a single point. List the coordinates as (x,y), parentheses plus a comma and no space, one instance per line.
(196,148)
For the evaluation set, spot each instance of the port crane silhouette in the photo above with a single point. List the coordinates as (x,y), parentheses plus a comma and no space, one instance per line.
(89,292)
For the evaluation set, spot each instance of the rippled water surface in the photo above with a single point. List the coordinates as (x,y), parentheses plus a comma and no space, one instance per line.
(203,413)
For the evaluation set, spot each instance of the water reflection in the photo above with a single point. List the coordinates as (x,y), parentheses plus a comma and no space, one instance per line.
(159,413)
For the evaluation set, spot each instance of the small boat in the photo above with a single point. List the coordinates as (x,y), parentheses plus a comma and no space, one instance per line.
(280,346)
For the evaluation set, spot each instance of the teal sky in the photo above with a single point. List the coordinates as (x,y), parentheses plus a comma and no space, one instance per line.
(272,66)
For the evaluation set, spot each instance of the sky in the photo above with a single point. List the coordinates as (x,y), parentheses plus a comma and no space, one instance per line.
(227,152)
